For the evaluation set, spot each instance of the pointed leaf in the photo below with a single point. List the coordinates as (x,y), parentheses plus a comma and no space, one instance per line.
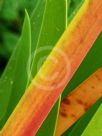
(95,126)
(14,80)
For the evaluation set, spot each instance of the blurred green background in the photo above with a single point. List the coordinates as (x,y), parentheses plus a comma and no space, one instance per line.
(11,20)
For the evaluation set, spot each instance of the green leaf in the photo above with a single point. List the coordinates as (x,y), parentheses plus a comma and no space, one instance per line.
(15,77)
(79,127)
(74,6)
(51,28)
(48,22)
(36,23)
(91,63)
(95,126)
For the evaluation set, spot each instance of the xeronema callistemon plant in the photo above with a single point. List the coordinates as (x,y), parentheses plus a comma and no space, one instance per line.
(69,52)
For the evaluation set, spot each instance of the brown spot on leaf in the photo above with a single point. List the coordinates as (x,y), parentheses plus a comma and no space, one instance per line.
(73,115)
(92,87)
(98,78)
(80,101)
(63,114)
(66,101)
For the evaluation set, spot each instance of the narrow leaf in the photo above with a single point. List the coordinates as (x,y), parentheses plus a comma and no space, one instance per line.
(95,126)
(14,80)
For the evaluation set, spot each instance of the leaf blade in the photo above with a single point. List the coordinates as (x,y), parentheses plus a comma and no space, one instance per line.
(8,80)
